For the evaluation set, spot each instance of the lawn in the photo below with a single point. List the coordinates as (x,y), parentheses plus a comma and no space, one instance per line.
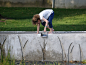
(19,19)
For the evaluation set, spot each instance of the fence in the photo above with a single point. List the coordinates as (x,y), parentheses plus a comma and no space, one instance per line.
(44,3)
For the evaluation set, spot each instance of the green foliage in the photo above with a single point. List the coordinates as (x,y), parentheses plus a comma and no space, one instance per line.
(7,60)
(84,61)
(19,19)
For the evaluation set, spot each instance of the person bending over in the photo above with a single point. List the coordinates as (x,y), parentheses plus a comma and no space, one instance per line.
(45,18)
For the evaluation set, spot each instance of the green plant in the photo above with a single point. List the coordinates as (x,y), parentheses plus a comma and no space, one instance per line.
(6,60)
(84,61)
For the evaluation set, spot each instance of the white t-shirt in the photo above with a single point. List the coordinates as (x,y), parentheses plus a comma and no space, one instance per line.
(45,13)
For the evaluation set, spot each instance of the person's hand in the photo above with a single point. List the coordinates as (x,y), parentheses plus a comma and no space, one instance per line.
(45,29)
(37,33)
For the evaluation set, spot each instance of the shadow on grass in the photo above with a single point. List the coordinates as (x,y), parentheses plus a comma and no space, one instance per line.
(19,28)
(56,28)
(28,12)
(70,28)
(19,12)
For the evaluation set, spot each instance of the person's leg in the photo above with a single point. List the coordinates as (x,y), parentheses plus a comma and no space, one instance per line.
(49,28)
(50,22)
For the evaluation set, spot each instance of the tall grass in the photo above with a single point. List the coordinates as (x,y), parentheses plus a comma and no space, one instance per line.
(6,60)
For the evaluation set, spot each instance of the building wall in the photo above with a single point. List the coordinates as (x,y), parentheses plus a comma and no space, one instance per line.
(70,3)
(25,3)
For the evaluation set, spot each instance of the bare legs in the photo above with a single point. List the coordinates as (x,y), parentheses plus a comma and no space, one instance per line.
(51,29)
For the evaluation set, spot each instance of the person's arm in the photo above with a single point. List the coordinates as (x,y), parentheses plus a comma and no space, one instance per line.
(45,24)
(38,27)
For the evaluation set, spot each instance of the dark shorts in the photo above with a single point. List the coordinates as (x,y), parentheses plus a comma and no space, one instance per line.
(50,21)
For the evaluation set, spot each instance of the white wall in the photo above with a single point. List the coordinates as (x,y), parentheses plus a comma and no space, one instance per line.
(33,44)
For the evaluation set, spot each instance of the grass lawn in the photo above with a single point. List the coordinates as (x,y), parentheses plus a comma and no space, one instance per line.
(19,19)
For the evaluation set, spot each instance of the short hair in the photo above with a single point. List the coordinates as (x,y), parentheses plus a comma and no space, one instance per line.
(35,19)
